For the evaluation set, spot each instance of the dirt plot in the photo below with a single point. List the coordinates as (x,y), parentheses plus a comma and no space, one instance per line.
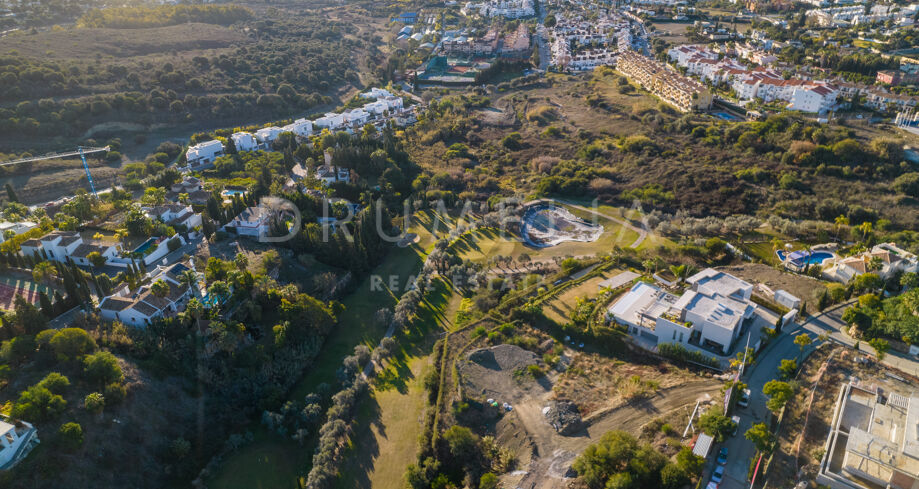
(800,286)
(544,454)
(791,462)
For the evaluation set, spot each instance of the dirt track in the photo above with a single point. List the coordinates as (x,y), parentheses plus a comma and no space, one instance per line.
(554,453)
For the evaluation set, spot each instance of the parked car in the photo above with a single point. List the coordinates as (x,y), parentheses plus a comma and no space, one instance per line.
(736,421)
(712,485)
(744,400)
(718,474)
(723,456)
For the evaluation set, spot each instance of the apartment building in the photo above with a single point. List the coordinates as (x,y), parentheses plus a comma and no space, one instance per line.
(663,81)
(244,141)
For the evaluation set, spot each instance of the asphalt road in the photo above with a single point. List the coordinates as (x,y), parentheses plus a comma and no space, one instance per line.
(766,368)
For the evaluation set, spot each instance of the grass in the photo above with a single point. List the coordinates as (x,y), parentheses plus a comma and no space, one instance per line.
(559,308)
(485,243)
(284,460)
(387,427)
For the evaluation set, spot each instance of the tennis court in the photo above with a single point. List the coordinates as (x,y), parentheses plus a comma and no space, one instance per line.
(10,287)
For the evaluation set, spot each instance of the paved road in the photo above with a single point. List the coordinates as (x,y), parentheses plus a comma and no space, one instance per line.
(766,368)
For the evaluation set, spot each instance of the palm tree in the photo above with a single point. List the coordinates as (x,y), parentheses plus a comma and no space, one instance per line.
(189,279)
(840,222)
(776,244)
(865,228)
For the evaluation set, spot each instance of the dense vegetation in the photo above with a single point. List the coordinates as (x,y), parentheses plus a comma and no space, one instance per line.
(163,15)
(619,461)
(289,65)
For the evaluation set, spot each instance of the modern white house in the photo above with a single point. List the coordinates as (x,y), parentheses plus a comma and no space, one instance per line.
(140,307)
(302,128)
(17,439)
(885,259)
(244,141)
(375,93)
(15,228)
(61,245)
(266,135)
(204,153)
(330,121)
(709,317)
(252,221)
(175,214)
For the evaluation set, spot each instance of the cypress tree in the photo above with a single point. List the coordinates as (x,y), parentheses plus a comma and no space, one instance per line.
(11,194)
(46,307)
(60,305)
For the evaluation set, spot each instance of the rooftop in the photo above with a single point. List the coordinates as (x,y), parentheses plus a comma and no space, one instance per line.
(713,282)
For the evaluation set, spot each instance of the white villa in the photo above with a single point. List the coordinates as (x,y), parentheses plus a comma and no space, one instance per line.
(712,314)
(302,128)
(266,135)
(204,153)
(253,221)
(61,245)
(17,439)
(885,259)
(140,307)
(244,141)
(175,214)
(16,228)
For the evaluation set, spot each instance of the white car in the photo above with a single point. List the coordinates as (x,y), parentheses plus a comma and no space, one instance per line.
(744,400)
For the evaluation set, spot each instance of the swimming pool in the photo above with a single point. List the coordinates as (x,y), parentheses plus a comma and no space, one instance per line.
(146,245)
(726,116)
(802,257)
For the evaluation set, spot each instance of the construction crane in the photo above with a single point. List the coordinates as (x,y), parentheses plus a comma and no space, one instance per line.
(81,151)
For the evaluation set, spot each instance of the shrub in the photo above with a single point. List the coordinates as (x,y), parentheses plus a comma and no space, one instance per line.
(115,393)
(55,383)
(71,436)
(94,402)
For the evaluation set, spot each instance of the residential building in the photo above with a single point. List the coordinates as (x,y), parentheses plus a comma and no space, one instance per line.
(302,128)
(139,308)
(186,186)
(252,221)
(663,81)
(62,246)
(709,317)
(204,153)
(244,141)
(885,259)
(266,135)
(511,9)
(15,228)
(331,121)
(873,441)
(329,174)
(17,439)
(175,215)
(517,44)
(376,93)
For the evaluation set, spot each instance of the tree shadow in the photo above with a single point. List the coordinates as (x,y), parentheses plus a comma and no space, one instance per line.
(364,449)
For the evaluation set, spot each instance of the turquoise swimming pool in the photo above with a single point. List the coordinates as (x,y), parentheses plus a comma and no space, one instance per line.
(146,245)
(802,257)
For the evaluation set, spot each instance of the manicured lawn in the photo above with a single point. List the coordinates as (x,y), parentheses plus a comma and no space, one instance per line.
(559,308)
(284,460)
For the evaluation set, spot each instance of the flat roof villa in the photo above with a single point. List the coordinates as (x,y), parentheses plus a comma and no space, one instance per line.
(873,441)
(710,316)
